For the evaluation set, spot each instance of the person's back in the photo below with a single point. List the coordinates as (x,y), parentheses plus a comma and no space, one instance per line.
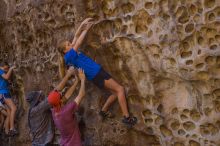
(40,120)
(66,123)
(63,114)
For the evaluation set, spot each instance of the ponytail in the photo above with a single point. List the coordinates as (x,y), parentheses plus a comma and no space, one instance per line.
(61,48)
(61,65)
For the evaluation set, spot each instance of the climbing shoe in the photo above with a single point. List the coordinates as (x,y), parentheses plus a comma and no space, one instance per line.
(105,115)
(13,132)
(129,121)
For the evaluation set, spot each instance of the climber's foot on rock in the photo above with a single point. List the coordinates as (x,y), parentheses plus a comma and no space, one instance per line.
(13,132)
(106,115)
(129,121)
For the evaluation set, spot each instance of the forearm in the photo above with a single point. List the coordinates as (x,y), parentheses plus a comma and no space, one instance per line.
(8,74)
(79,30)
(82,88)
(70,90)
(80,40)
(77,34)
(81,92)
(61,67)
(61,85)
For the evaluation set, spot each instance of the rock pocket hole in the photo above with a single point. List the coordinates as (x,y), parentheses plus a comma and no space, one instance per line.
(188,126)
(203,75)
(147,113)
(217,38)
(209,3)
(148,5)
(200,40)
(189,28)
(210,60)
(211,17)
(189,62)
(186,54)
(148,121)
(165,131)
(175,125)
(181,132)
(178,144)
(193,143)
(195,115)
(213,47)
(183,117)
(200,65)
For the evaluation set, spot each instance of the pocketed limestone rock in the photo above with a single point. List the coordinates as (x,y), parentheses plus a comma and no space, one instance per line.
(165,53)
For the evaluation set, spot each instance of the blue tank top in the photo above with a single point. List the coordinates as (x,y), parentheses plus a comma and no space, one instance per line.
(79,60)
(3,83)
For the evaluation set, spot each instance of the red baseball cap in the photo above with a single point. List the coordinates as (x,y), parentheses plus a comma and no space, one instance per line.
(54,98)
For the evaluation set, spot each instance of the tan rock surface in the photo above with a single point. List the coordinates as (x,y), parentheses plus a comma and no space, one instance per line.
(165,52)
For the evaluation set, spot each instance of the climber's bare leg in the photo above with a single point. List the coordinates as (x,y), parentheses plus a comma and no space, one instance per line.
(7,119)
(13,109)
(111,99)
(112,85)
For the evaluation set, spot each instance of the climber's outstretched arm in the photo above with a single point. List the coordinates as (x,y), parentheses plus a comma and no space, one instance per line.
(80,29)
(7,75)
(82,36)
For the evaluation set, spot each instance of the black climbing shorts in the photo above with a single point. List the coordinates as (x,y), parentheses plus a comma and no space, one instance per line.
(100,78)
(4,96)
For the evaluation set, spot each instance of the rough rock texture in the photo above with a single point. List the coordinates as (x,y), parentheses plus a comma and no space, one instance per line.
(165,52)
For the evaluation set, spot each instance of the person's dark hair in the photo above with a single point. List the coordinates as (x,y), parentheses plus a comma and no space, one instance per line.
(4,63)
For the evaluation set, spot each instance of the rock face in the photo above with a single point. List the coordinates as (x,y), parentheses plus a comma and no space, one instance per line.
(165,52)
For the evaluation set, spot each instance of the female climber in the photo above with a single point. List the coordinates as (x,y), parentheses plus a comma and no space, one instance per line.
(94,72)
(5,98)
(63,114)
